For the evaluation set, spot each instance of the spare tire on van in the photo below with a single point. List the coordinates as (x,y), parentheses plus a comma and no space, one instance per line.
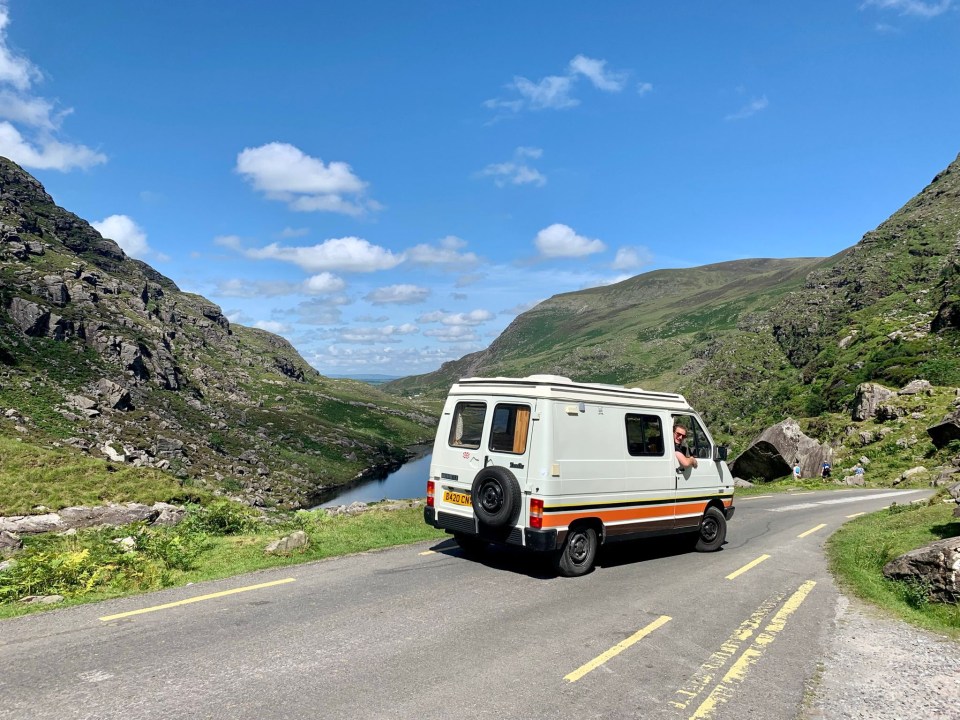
(496,497)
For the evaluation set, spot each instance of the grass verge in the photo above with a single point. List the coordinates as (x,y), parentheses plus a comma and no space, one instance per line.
(859,550)
(218,541)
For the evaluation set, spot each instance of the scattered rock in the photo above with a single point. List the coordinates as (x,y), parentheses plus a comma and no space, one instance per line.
(935,566)
(741,483)
(41,599)
(293,541)
(912,472)
(856,480)
(916,387)
(773,454)
(9,541)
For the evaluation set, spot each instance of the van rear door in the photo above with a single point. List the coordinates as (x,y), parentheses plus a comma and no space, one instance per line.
(509,438)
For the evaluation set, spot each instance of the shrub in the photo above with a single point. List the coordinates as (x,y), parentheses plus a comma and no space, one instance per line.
(221,517)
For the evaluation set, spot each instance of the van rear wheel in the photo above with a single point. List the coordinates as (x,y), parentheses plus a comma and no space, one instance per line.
(712,532)
(579,552)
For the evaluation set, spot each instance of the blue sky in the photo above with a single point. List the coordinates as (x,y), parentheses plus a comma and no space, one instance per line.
(388,184)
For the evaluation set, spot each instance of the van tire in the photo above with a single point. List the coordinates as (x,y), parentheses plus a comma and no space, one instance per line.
(579,552)
(712,532)
(496,498)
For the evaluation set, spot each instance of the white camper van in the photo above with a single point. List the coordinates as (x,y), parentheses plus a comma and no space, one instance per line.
(554,465)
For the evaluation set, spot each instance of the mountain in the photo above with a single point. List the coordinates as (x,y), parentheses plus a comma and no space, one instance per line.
(100,352)
(752,341)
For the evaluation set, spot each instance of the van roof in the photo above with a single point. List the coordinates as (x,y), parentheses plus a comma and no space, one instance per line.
(563,388)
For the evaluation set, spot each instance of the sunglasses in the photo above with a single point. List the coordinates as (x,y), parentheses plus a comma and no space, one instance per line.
(680,435)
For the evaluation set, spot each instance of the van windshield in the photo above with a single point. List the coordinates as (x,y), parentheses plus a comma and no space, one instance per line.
(467,426)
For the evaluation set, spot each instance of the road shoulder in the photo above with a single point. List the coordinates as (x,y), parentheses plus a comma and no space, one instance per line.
(879,667)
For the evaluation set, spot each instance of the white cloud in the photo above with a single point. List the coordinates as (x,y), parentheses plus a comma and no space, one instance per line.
(320,311)
(228,241)
(751,108)
(918,8)
(469,319)
(388,333)
(551,93)
(272,326)
(289,232)
(455,333)
(23,113)
(629,258)
(283,172)
(516,171)
(322,284)
(45,153)
(445,253)
(521,308)
(398,295)
(15,70)
(644,88)
(596,72)
(554,92)
(560,240)
(348,254)
(123,230)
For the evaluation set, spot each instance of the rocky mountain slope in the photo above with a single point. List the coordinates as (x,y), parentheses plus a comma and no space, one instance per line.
(751,342)
(101,352)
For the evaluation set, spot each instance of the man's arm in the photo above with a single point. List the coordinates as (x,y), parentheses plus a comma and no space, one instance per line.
(685,462)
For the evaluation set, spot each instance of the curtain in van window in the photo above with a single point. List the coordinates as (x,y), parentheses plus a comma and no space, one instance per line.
(520,429)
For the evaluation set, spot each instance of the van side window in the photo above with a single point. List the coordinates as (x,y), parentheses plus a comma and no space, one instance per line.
(509,431)
(696,441)
(644,435)
(467,426)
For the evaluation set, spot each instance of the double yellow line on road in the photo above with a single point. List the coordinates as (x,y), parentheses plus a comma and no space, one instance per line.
(724,689)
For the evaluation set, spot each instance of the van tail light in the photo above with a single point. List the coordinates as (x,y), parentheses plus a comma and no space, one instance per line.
(536,513)
(430,493)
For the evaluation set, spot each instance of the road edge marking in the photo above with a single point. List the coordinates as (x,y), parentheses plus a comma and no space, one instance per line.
(616,649)
(749,566)
(198,598)
(812,530)
(738,671)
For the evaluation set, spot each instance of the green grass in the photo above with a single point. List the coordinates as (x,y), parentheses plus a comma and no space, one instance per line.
(859,550)
(31,475)
(89,567)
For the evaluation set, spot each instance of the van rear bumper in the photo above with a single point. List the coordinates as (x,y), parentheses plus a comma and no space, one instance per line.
(532,539)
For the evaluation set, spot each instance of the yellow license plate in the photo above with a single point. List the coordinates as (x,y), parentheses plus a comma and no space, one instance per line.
(457,498)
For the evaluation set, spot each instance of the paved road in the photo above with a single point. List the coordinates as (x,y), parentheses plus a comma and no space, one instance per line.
(423,632)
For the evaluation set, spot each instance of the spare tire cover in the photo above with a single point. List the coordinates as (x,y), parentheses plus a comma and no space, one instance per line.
(495,495)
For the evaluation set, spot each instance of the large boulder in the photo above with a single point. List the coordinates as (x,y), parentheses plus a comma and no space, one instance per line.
(870,396)
(946,430)
(774,452)
(935,566)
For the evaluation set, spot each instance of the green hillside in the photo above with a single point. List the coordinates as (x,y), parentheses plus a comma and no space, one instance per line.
(106,358)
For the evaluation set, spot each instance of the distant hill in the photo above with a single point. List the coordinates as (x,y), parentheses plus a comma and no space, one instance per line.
(98,349)
(753,341)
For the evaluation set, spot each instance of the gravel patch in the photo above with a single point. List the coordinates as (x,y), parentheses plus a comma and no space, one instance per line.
(884,669)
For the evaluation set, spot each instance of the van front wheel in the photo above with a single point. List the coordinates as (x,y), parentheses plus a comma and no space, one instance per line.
(713,531)
(579,552)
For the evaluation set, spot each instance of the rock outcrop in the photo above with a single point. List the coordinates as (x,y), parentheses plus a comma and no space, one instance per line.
(946,430)
(869,398)
(935,567)
(773,454)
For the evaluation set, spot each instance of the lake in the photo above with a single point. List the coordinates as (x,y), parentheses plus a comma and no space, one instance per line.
(409,481)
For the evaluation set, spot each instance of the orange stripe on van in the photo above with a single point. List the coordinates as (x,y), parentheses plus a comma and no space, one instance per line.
(656,512)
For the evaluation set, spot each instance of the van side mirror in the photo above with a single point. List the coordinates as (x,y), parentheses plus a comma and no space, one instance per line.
(719,453)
